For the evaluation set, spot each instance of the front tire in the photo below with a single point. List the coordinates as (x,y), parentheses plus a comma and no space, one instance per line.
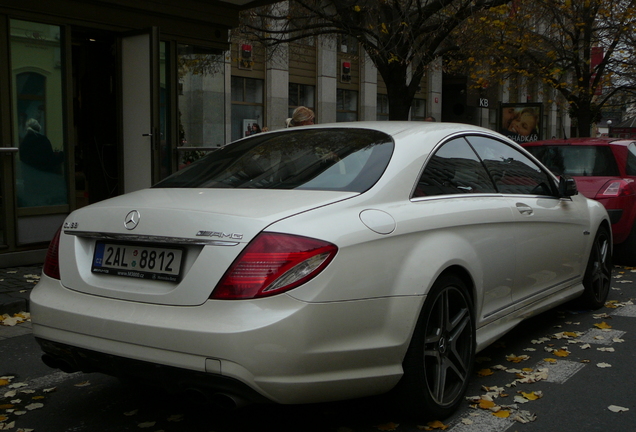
(439,360)
(598,273)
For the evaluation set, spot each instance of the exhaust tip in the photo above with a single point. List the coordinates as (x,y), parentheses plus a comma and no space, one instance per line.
(57,363)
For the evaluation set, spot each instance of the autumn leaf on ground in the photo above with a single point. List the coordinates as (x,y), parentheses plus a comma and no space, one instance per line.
(145,425)
(484,372)
(532,395)
(4,382)
(83,384)
(561,353)
(603,325)
(388,426)
(433,425)
(615,408)
(550,360)
(606,349)
(486,404)
(603,365)
(502,414)
(524,417)
(516,359)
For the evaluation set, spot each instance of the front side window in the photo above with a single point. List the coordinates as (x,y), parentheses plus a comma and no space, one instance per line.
(511,170)
(579,161)
(349,160)
(631,160)
(454,169)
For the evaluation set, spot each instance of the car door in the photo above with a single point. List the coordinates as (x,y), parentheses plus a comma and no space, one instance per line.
(473,222)
(550,231)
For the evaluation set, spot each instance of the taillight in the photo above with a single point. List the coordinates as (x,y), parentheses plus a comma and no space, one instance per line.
(273,263)
(51,266)
(616,188)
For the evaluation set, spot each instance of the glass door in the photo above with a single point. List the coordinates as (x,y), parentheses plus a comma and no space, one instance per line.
(38,130)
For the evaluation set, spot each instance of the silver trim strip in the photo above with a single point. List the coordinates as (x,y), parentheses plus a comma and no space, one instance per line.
(148,239)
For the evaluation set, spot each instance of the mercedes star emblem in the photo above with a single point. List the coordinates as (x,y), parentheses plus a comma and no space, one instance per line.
(132,220)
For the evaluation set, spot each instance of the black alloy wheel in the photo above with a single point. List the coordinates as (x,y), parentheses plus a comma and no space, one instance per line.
(439,360)
(598,274)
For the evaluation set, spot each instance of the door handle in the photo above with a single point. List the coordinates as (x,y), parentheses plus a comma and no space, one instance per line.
(148,134)
(8,150)
(524,209)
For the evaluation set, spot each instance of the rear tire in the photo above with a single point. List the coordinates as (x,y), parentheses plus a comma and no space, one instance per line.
(598,274)
(439,360)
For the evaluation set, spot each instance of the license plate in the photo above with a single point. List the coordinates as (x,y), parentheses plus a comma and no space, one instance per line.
(142,262)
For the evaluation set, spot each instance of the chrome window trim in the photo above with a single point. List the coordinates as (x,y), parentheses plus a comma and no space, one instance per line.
(148,238)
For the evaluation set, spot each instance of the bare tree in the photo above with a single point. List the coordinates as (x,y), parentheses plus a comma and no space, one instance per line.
(401,37)
(582,49)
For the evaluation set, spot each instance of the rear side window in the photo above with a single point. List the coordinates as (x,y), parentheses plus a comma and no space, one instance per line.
(336,159)
(580,161)
(454,169)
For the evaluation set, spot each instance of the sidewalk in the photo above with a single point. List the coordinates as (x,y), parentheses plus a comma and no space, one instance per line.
(15,287)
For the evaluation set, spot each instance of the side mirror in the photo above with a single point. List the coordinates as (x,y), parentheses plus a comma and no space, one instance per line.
(567,187)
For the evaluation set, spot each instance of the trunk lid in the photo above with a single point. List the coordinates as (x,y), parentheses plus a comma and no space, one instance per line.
(205,228)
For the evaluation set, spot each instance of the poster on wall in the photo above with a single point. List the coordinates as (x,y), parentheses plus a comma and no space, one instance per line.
(250,127)
(521,122)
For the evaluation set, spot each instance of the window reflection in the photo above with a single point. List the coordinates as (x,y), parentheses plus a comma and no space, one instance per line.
(39,117)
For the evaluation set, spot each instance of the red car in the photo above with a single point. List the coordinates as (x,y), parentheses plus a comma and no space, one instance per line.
(605,170)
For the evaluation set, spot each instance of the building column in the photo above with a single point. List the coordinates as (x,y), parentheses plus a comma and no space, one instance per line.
(277,88)
(326,79)
(368,89)
(434,89)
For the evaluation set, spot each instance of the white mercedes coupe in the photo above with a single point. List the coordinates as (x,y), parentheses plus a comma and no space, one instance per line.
(322,263)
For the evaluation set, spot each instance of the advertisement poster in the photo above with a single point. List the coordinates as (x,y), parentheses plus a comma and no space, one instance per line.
(521,122)
(248,127)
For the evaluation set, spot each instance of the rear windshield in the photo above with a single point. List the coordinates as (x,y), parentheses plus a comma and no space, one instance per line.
(577,160)
(337,159)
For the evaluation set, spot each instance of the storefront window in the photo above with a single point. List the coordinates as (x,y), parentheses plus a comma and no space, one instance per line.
(382,107)
(346,105)
(247,106)
(39,115)
(201,101)
(301,95)
(418,109)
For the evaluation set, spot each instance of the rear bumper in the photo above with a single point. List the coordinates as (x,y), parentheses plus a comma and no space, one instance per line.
(277,348)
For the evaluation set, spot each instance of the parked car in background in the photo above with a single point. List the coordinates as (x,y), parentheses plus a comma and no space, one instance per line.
(605,170)
(322,263)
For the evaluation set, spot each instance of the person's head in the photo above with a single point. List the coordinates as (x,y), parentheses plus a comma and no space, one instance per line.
(429,119)
(525,123)
(33,124)
(256,128)
(507,115)
(302,116)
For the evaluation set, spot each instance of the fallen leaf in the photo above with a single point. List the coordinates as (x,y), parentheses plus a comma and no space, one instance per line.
(550,360)
(388,426)
(7,426)
(83,384)
(502,414)
(615,408)
(606,349)
(484,372)
(34,406)
(486,404)
(131,413)
(532,395)
(524,417)
(175,418)
(467,421)
(433,425)
(561,353)
(145,425)
(4,382)
(603,325)
(516,359)
(603,365)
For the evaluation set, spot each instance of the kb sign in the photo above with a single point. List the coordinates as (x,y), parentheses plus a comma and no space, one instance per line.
(483,103)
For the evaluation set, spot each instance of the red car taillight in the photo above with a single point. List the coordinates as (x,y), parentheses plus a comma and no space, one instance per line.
(273,263)
(51,266)
(616,188)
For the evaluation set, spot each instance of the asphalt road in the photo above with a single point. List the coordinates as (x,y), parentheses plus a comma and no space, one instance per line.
(583,363)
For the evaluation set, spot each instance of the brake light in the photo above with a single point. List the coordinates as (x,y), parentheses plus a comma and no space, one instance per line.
(51,266)
(274,263)
(616,188)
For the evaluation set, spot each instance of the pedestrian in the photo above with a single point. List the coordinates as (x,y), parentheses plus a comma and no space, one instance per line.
(302,116)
